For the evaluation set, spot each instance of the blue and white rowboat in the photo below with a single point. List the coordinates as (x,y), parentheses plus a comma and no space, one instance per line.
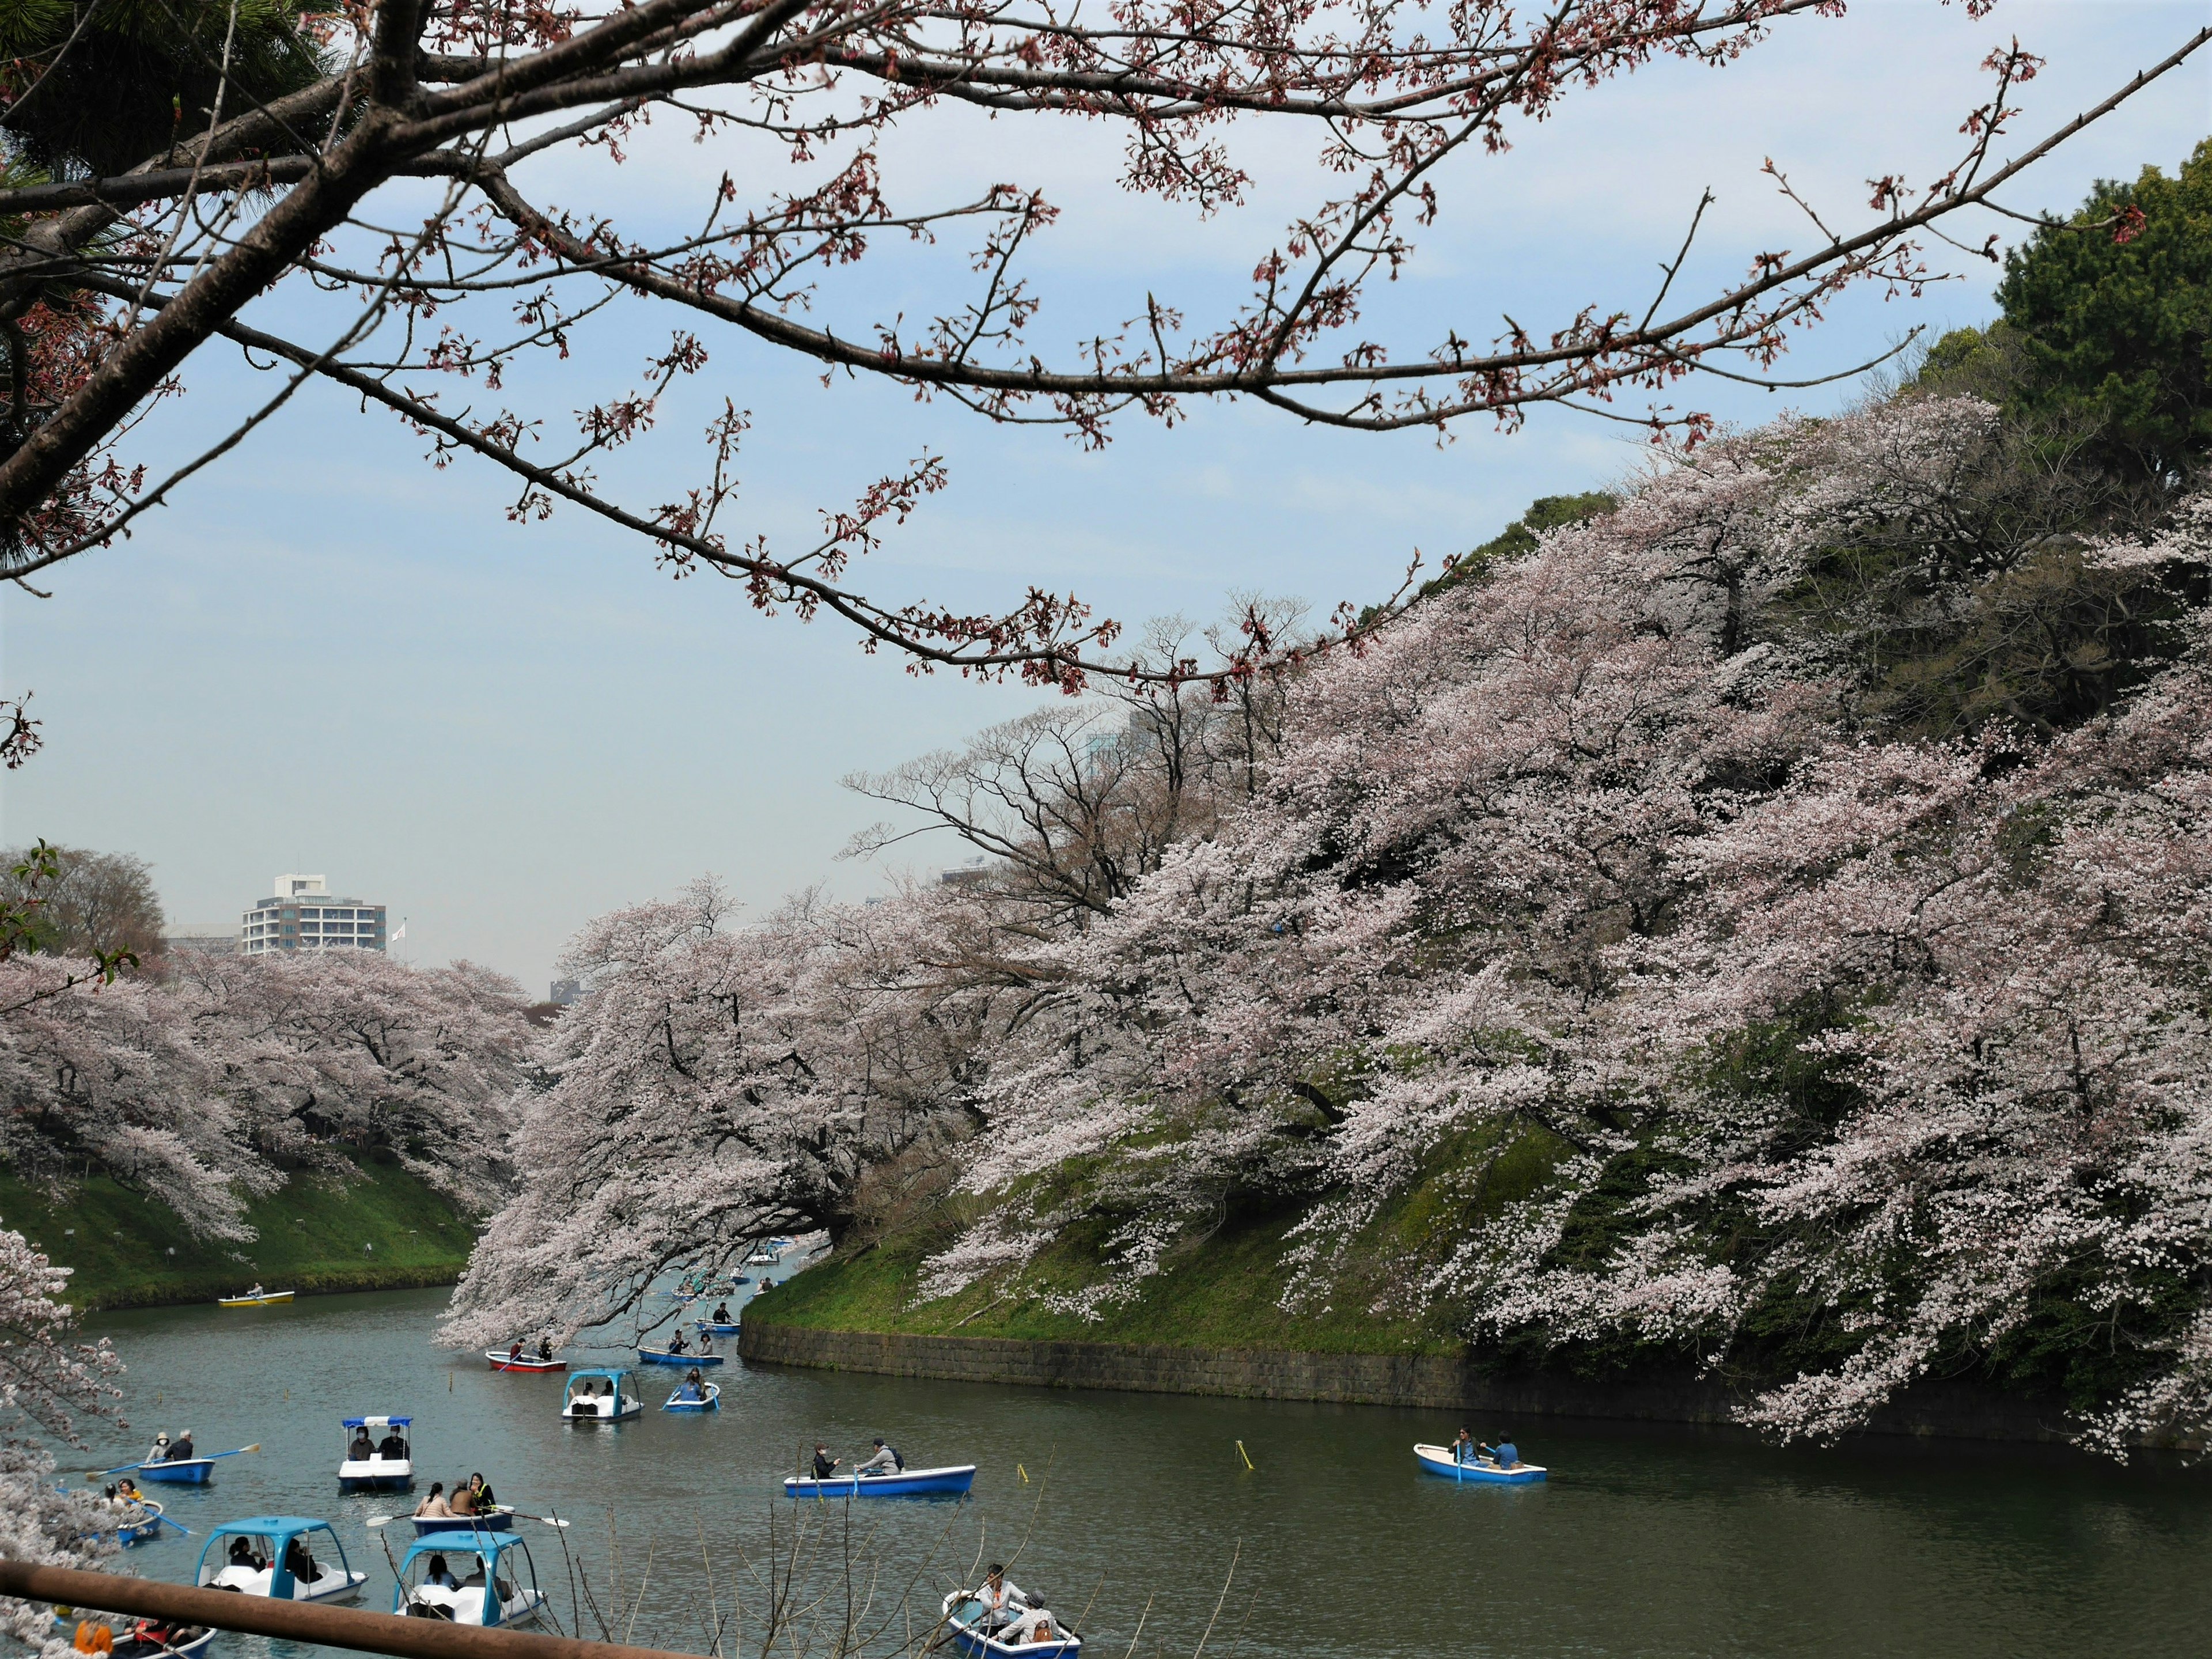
(965,1633)
(146,1526)
(1438,1460)
(664,1357)
(498,1519)
(712,1401)
(907,1483)
(181,1472)
(712,1329)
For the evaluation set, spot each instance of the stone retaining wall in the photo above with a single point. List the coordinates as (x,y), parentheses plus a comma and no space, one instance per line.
(1443,1382)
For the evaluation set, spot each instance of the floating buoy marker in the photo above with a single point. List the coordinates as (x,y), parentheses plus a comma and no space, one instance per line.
(1246,1455)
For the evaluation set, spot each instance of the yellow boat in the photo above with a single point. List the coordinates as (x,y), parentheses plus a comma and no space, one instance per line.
(256,1298)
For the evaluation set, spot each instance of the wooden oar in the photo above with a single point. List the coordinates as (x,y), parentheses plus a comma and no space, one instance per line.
(125,1468)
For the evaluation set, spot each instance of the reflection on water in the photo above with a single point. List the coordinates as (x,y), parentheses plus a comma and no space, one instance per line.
(1648,1541)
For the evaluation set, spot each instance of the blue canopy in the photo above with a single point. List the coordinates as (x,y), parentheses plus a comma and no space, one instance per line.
(279,1526)
(376,1422)
(489,1544)
(617,1372)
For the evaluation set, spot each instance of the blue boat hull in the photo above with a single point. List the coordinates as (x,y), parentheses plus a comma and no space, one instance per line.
(662,1356)
(1438,1461)
(916,1483)
(427,1524)
(712,1329)
(150,1529)
(192,1472)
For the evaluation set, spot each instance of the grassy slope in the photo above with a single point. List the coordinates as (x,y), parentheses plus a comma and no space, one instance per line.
(310,1238)
(1222,1295)
(1223,1291)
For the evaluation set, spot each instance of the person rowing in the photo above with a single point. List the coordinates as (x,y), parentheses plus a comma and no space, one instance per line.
(885,1459)
(1508,1454)
(1002,1599)
(676,1343)
(180,1448)
(722,1313)
(1464,1450)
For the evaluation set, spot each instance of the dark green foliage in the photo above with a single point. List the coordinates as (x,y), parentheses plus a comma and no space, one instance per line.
(1519,539)
(139,75)
(2118,334)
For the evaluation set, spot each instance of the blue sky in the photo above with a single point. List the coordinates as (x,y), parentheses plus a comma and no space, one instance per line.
(327,657)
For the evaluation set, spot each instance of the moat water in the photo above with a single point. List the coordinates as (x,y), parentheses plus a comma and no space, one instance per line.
(1647,1542)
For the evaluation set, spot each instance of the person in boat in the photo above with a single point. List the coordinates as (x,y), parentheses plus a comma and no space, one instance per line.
(722,1313)
(298,1562)
(257,1290)
(1036,1626)
(441,1575)
(545,1349)
(159,1451)
(884,1460)
(362,1449)
(705,1342)
(243,1554)
(824,1465)
(392,1446)
(1463,1449)
(480,1492)
(435,1507)
(180,1448)
(516,1352)
(127,1490)
(463,1499)
(1002,1600)
(1505,1452)
(676,1343)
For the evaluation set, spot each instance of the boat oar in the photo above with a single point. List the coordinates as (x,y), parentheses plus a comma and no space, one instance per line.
(240,1452)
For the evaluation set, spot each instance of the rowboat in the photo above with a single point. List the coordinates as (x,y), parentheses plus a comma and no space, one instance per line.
(503,1362)
(274,1555)
(708,1327)
(601,1394)
(967,1632)
(498,1518)
(178,1472)
(907,1483)
(664,1357)
(256,1298)
(1438,1460)
(712,1402)
(130,1647)
(383,1471)
(488,1589)
(141,1522)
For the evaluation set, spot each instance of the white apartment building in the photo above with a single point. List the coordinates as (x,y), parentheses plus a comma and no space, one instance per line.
(303,914)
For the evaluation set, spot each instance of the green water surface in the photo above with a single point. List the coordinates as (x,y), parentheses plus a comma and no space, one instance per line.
(1651,1541)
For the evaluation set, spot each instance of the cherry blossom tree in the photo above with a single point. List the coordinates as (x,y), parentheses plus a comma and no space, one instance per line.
(1833,1056)
(721,1083)
(420,1064)
(50,1387)
(212,1083)
(404,176)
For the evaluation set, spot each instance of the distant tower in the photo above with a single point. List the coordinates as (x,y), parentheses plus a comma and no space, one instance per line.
(302,916)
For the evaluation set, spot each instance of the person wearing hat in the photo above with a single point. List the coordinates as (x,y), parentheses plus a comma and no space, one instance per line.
(884,1462)
(158,1453)
(180,1449)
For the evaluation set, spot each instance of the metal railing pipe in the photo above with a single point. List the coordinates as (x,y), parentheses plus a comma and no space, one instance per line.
(298,1621)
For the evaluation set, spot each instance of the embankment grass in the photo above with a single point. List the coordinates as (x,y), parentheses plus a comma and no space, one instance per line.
(129,1251)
